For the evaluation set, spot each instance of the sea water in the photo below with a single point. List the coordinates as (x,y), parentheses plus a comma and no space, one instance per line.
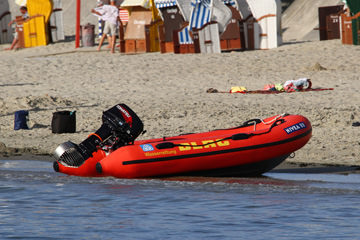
(38,203)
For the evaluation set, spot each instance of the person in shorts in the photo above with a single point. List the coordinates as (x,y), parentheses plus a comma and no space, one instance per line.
(24,16)
(110,14)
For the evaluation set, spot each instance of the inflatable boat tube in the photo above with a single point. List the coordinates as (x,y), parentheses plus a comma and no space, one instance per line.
(251,149)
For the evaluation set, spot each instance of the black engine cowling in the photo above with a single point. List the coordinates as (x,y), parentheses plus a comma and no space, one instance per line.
(120,127)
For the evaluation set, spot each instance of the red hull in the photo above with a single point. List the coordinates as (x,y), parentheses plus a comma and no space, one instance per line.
(215,153)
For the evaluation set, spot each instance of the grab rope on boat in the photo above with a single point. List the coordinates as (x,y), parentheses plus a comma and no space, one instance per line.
(271,121)
(239,136)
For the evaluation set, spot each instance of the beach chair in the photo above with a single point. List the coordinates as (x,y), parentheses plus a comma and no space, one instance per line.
(263,26)
(208,38)
(354,7)
(208,20)
(233,38)
(183,40)
(36,28)
(141,34)
(172,21)
(350,29)
(329,22)
(57,22)
(6,35)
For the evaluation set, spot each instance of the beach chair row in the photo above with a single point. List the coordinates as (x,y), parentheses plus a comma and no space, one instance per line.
(200,26)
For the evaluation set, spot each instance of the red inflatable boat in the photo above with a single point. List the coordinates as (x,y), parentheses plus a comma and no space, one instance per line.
(251,149)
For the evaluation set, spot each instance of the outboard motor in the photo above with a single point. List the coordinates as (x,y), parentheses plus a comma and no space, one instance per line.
(120,127)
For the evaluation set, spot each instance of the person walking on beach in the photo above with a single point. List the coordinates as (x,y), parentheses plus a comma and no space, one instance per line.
(110,14)
(24,16)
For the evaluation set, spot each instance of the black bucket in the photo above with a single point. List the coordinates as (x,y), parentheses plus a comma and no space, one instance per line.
(63,122)
(20,121)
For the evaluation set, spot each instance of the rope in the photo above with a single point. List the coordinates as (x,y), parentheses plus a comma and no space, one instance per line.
(259,120)
(271,121)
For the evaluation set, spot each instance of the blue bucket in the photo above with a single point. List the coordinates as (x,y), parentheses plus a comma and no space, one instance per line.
(21,120)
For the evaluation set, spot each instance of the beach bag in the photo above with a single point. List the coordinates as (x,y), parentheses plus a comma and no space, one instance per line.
(20,121)
(63,122)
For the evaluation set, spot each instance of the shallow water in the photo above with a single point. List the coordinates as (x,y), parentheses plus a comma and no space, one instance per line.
(37,203)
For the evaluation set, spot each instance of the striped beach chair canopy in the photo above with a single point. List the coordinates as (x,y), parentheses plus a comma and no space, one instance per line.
(165,3)
(201,11)
(124,15)
(184,36)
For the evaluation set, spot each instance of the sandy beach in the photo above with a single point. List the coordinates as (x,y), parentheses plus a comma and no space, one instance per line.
(168,92)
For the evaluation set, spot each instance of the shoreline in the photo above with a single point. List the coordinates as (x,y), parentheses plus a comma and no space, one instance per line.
(284,167)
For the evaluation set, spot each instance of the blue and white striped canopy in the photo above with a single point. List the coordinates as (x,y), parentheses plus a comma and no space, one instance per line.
(200,13)
(165,3)
(184,36)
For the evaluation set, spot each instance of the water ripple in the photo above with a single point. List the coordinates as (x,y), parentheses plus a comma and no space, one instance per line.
(37,203)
